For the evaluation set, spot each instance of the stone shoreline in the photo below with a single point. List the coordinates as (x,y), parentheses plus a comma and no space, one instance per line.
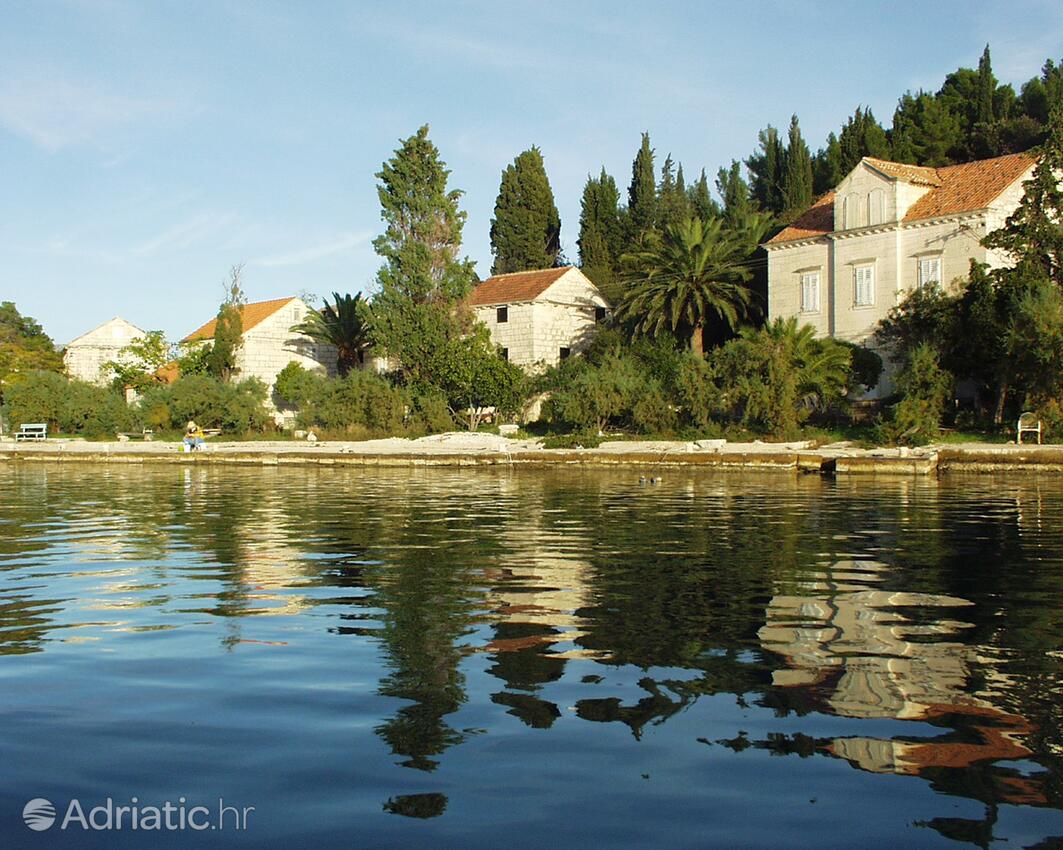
(462,450)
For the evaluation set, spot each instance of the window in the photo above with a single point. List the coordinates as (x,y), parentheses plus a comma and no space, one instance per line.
(810,292)
(876,206)
(599,315)
(505,353)
(502,315)
(864,286)
(929,271)
(565,353)
(852,211)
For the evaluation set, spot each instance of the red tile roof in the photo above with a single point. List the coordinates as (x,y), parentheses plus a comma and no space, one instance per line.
(517,286)
(954,189)
(250,315)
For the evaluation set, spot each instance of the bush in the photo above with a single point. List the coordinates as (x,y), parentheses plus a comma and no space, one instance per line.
(925,390)
(68,406)
(234,408)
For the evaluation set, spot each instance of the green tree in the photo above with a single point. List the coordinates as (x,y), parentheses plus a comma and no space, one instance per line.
(343,324)
(422,281)
(925,389)
(24,346)
(827,166)
(137,362)
(797,176)
(600,234)
(697,271)
(700,199)
(926,132)
(986,90)
(642,195)
(734,190)
(861,136)
(228,327)
(474,378)
(526,229)
(672,203)
(767,169)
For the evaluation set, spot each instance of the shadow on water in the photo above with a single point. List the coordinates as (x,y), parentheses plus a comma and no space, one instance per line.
(902,629)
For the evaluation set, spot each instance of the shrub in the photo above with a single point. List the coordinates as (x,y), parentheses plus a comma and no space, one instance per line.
(925,390)
(234,408)
(69,406)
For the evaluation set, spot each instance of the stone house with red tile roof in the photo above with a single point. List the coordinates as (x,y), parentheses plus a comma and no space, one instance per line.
(269,343)
(888,228)
(539,317)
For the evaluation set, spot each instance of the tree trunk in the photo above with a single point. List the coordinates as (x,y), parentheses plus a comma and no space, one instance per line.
(1002,394)
(697,341)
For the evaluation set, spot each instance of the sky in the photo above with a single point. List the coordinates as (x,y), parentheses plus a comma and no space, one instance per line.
(147,147)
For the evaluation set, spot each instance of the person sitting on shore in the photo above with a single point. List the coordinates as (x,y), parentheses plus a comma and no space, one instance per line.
(193,436)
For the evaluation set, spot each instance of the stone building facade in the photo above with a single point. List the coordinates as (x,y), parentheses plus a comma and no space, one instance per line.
(886,230)
(85,357)
(268,343)
(538,318)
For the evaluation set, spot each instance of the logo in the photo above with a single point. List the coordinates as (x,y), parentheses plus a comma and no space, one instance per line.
(39,814)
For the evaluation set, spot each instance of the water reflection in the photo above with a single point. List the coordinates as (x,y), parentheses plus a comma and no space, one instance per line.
(909,629)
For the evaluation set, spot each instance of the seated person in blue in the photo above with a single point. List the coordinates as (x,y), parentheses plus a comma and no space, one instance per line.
(193,436)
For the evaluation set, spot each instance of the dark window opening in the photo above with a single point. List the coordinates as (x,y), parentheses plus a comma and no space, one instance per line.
(565,353)
(599,315)
(502,315)
(505,353)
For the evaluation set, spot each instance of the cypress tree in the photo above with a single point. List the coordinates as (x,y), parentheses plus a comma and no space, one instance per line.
(599,234)
(228,328)
(987,87)
(734,190)
(797,181)
(642,194)
(671,196)
(700,200)
(766,166)
(827,167)
(862,136)
(526,229)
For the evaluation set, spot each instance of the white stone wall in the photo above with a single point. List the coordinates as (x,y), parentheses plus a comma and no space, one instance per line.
(270,346)
(85,357)
(517,335)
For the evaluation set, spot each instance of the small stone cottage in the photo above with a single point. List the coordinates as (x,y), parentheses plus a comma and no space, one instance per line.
(269,343)
(85,356)
(539,317)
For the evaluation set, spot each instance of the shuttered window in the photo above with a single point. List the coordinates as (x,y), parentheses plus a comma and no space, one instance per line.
(810,292)
(876,206)
(929,271)
(864,286)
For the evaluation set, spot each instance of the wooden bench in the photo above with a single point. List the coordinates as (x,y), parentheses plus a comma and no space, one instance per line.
(147,435)
(34,432)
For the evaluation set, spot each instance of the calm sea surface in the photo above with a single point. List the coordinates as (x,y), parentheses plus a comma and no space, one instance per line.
(533,659)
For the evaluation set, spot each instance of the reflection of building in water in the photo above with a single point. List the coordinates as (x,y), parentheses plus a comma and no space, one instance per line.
(862,652)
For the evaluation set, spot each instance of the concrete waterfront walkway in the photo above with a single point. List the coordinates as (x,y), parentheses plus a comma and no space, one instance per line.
(464,449)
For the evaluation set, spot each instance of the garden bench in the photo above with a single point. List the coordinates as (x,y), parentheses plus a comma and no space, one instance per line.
(147,435)
(32,431)
(1028,424)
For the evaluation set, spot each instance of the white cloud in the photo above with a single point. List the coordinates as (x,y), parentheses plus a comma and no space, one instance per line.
(320,250)
(185,233)
(56,113)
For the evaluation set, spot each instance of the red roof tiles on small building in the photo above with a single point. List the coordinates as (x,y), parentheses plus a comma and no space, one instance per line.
(516,286)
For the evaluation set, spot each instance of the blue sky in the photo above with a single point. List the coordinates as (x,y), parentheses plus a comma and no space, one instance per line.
(145,147)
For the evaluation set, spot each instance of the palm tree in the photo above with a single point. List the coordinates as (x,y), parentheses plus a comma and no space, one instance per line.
(696,270)
(343,324)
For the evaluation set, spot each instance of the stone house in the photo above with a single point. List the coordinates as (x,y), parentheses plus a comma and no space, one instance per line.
(539,317)
(268,343)
(887,229)
(85,356)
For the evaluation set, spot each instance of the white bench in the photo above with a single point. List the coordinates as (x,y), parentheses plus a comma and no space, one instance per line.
(1028,424)
(36,432)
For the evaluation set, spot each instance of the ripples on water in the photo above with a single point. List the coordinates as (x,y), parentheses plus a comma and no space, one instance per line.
(537,658)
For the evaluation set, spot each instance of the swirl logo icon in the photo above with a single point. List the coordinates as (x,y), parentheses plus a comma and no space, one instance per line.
(39,814)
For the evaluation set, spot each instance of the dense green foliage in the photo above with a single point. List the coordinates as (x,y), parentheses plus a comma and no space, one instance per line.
(600,234)
(137,362)
(71,407)
(925,389)
(24,346)
(228,328)
(526,229)
(236,407)
(343,324)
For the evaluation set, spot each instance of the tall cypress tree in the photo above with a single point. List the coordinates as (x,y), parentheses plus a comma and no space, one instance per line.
(599,234)
(422,279)
(671,196)
(987,87)
(827,166)
(700,200)
(642,194)
(735,193)
(766,166)
(797,180)
(526,229)
(862,136)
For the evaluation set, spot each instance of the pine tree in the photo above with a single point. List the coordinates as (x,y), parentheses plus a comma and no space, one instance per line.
(526,229)
(642,194)
(413,315)
(766,166)
(827,166)
(797,179)
(862,136)
(701,201)
(734,191)
(671,196)
(926,131)
(600,235)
